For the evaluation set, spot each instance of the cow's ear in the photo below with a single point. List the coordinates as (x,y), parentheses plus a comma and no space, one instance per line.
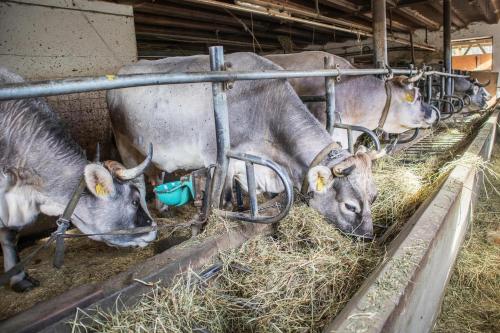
(99,181)
(320,178)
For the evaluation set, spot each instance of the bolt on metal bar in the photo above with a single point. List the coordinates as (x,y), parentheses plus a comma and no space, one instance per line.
(252,188)
(330,96)
(221,125)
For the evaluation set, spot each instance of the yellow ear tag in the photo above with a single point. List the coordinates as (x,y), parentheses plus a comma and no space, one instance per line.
(111,77)
(100,190)
(409,97)
(320,184)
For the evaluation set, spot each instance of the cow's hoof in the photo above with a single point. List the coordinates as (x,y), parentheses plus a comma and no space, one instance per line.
(25,284)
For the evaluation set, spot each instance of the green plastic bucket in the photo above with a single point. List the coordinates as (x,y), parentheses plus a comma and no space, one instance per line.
(176,193)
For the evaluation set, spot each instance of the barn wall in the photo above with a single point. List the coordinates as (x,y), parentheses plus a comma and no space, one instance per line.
(47,39)
(474,30)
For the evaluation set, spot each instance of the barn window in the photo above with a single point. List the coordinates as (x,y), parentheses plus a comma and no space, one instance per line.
(472,54)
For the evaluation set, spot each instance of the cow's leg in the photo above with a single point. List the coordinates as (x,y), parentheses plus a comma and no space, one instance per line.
(20,282)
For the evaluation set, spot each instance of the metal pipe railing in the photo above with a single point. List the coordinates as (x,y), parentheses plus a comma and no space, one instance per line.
(329,96)
(437,73)
(86,84)
(221,117)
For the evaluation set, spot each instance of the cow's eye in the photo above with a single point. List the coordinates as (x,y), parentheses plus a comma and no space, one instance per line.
(350,207)
(135,203)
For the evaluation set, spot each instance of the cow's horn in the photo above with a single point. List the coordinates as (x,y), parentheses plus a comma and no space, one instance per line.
(128,174)
(414,78)
(482,85)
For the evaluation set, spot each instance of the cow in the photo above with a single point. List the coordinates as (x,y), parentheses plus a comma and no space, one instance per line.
(40,167)
(473,90)
(359,100)
(266,118)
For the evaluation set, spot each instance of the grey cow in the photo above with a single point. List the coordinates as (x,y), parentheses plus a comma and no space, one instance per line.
(40,166)
(472,89)
(359,100)
(266,118)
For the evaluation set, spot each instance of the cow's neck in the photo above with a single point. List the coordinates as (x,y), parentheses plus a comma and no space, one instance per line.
(59,186)
(360,100)
(304,137)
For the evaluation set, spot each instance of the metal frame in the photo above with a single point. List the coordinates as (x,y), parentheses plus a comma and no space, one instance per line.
(218,76)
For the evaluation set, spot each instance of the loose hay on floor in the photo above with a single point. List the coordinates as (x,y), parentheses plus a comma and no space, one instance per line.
(296,280)
(299,278)
(86,261)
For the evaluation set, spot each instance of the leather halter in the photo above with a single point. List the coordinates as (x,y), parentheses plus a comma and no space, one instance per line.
(385,111)
(333,146)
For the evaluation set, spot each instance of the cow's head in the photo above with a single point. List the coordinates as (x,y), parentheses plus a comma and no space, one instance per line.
(477,93)
(114,201)
(344,192)
(407,109)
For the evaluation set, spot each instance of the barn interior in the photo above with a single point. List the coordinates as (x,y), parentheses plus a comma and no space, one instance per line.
(63,39)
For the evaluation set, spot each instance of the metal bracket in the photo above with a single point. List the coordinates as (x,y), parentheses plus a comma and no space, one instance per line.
(461,102)
(254,216)
(228,84)
(351,128)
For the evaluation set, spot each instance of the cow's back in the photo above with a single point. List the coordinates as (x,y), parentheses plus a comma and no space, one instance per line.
(31,135)
(307,60)
(178,118)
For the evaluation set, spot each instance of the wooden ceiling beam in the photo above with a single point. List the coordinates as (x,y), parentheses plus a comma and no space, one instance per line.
(487,10)
(456,19)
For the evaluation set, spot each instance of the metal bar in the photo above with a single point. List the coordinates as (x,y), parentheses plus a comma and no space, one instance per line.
(437,73)
(350,144)
(221,118)
(86,84)
(428,93)
(252,188)
(442,87)
(288,190)
(330,96)
(447,47)
(362,129)
(379,33)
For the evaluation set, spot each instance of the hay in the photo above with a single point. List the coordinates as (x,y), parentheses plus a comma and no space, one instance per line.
(294,281)
(472,300)
(86,261)
(299,279)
